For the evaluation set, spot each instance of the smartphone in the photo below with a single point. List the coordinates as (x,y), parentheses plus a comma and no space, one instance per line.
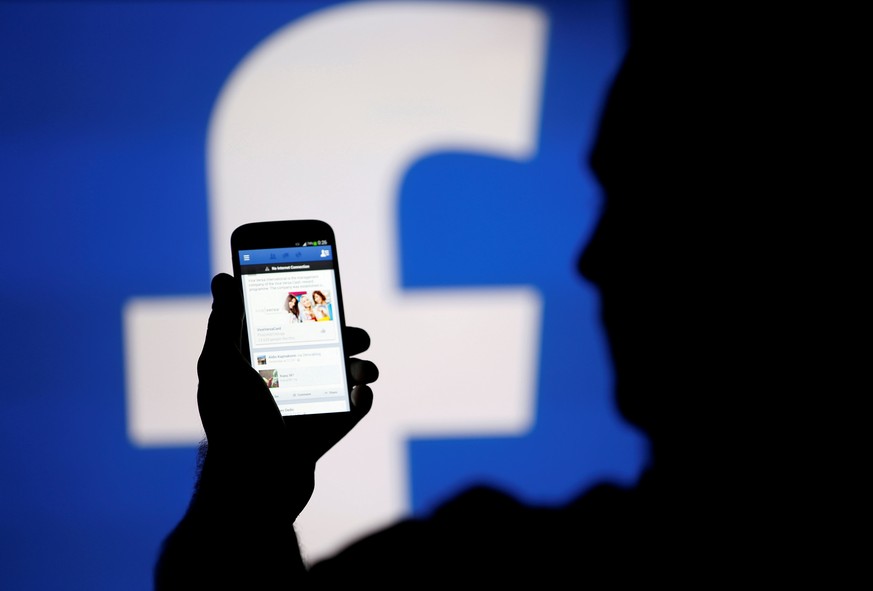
(288,272)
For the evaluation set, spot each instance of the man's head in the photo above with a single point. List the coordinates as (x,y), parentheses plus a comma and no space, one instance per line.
(650,253)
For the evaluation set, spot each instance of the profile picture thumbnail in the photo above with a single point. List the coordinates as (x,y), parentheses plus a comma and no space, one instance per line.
(271,377)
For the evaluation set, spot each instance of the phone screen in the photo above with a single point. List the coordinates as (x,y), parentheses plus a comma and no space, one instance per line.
(294,327)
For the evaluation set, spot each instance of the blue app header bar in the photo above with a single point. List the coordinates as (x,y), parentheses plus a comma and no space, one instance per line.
(272,256)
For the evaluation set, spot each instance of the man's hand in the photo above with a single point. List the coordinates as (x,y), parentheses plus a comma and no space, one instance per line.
(253,452)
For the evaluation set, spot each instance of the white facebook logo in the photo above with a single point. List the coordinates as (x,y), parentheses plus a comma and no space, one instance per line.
(321,120)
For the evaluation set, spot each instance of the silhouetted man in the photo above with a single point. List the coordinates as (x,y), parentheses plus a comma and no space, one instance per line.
(656,260)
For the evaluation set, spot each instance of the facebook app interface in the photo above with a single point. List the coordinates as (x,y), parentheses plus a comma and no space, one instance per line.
(293,327)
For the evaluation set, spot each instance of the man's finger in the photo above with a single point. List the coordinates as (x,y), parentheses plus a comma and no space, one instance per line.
(225,321)
(356,340)
(363,371)
(362,400)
